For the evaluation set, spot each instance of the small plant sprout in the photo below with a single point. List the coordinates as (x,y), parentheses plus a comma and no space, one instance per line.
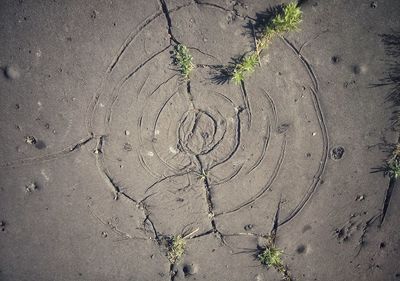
(203,175)
(176,247)
(393,168)
(395,153)
(287,20)
(271,256)
(183,59)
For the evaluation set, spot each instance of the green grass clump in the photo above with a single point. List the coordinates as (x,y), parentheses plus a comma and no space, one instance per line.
(183,59)
(288,20)
(271,256)
(247,65)
(392,165)
(393,168)
(176,249)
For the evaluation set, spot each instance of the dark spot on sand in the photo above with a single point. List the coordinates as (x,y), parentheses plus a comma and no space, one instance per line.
(356,69)
(337,153)
(189,269)
(94,14)
(348,83)
(127,147)
(301,249)
(40,144)
(306,228)
(335,59)
(283,128)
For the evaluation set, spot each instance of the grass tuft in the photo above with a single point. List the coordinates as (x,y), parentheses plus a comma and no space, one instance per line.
(176,246)
(183,59)
(271,256)
(287,20)
(246,66)
(392,168)
(176,249)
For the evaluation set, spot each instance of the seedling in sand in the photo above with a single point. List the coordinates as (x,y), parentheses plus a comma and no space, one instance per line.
(288,20)
(203,175)
(183,59)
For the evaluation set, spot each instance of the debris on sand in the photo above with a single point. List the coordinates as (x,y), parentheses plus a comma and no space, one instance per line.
(30,139)
(31,187)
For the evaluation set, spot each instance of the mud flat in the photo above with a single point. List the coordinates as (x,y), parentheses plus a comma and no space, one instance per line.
(116,167)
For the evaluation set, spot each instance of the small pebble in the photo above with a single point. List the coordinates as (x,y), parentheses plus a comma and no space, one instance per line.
(360,197)
(374,4)
(127,133)
(314,134)
(248,227)
(11,73)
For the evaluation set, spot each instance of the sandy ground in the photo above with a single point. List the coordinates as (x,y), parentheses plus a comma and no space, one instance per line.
(105,150)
